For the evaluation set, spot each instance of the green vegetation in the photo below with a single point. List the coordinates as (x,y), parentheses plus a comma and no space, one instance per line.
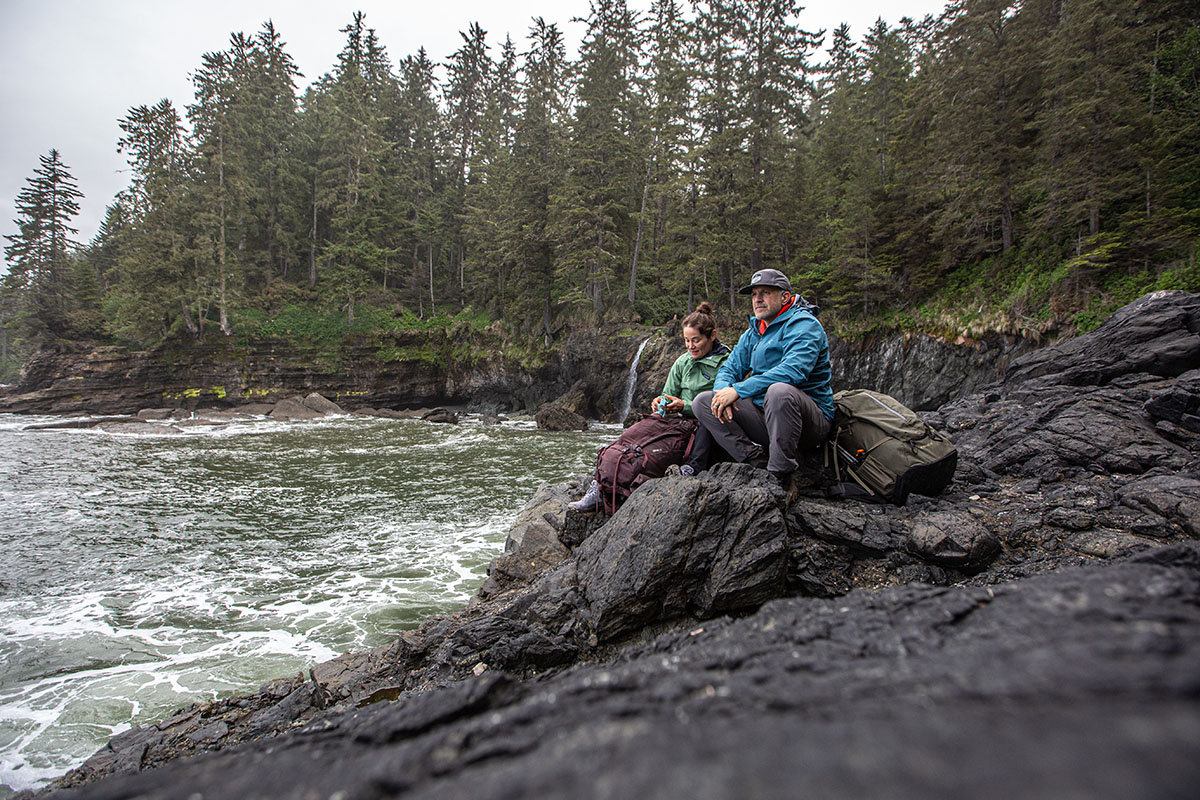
(1012,166)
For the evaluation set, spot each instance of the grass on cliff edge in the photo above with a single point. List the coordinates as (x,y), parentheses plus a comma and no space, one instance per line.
(1024,298)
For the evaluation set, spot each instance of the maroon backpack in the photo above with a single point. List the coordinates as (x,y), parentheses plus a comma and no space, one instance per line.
(643,451)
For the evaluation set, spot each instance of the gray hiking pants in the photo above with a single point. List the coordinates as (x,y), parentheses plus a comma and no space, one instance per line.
(788,421)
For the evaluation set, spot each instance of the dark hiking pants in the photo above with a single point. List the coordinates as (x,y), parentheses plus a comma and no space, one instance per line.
(788,421)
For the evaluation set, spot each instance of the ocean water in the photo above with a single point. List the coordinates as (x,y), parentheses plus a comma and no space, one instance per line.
(142,572)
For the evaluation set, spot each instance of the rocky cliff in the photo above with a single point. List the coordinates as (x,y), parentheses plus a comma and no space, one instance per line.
(586,371)
(1035,630)
(920,370)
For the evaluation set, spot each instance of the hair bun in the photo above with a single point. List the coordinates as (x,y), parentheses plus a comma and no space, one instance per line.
(704,308)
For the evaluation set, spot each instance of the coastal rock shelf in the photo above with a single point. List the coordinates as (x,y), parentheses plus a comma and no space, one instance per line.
(1033,630)
(1080,682)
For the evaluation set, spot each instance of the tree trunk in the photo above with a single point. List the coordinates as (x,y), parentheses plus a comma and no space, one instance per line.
(312,240)
(223,316)
(188,322)
(432,302)
(637,242)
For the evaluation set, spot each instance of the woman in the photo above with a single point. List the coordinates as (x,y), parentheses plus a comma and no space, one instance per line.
(692,373)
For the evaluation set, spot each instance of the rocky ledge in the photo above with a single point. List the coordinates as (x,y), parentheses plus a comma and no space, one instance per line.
(1033,631)
(166,421)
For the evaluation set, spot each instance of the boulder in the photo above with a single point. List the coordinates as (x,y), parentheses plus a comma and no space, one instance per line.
(293,408)
(552,417)
(440,415)
(533,543)
(321,405)
(952,539)
(713,545)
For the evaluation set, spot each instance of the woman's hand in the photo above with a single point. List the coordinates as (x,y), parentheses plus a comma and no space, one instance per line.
(674,404)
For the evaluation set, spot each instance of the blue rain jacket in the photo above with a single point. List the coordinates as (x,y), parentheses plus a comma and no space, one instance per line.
(793,349)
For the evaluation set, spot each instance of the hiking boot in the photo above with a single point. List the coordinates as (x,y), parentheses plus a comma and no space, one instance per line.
(681,469)
(784,480)
(589,502)
(757,458)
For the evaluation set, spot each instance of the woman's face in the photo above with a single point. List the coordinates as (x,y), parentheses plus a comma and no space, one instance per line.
(698,345)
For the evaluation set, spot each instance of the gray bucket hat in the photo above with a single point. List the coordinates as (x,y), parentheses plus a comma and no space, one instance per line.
(767,277)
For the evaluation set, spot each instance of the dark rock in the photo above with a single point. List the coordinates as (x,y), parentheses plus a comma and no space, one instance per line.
(255,409)
(138,427)
(862,527)
(440,415)
(384,413)
(952,539)
(156,413)
(533,544)
(82,422)
(279,715)
(1175,498)
(1158,334)
(922,371)
(910,692)
(553,417)
(209,733)
(1177,402)
(578,526)
(711,545)
(321,405)
(293,408)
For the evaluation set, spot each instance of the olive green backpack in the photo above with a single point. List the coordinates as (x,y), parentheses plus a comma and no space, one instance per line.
(886,449)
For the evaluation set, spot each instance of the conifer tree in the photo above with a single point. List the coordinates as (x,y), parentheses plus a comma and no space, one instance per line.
(353,154)
(660,237)
(469,76)
(276,177)
(39,254)
(1090,116)
(154,270)
(535,175)
(221,184)
(420,176)
(591,210)
(485,194)
(718,160)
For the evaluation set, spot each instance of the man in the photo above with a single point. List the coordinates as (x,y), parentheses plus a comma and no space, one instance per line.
(772,395)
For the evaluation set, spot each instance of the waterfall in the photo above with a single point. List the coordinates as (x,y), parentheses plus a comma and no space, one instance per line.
(631,382)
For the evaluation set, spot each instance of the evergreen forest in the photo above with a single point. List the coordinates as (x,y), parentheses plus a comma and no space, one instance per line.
(1010,165)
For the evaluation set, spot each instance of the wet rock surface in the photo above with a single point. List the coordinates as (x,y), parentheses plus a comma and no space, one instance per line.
(915,691)
(1033,630)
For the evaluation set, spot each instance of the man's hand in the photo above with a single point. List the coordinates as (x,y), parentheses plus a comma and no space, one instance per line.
(722,403)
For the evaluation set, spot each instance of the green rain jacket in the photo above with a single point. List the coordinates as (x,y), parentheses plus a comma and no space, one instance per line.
(691,376)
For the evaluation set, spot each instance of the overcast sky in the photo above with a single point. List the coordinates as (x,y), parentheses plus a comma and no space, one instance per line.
(69,69)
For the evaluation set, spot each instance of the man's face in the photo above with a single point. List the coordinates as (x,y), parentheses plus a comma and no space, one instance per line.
(767,300)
